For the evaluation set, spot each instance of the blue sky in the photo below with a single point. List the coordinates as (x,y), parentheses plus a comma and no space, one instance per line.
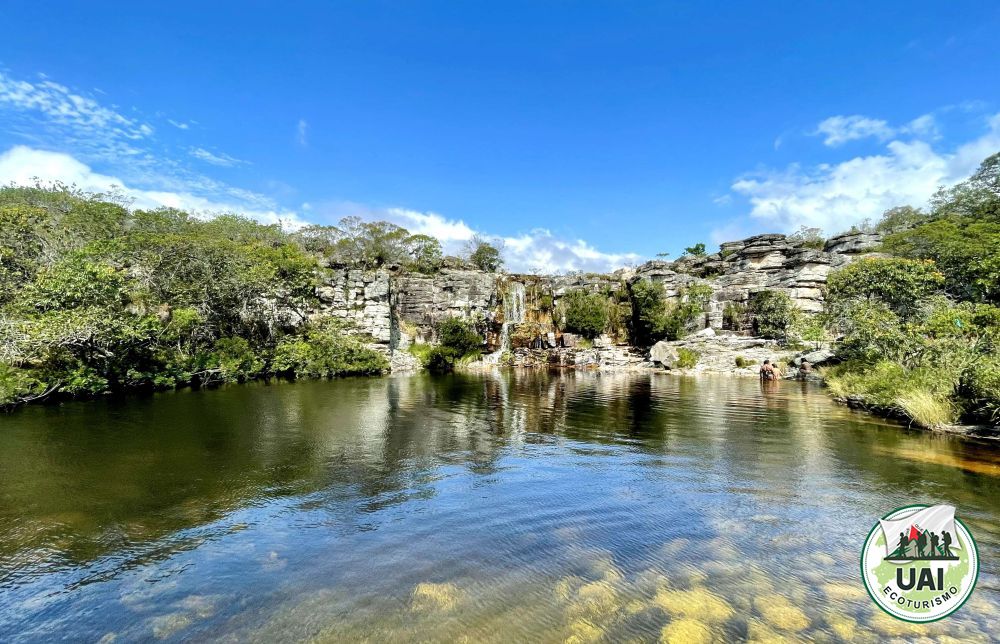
(585,135)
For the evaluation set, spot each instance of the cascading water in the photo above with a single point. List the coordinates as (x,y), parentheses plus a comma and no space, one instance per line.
(513,313)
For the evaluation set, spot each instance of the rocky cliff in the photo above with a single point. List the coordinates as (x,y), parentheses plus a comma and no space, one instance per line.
(512,310)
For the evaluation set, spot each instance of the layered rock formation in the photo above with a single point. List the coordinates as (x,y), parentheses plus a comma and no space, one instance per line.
(396,308)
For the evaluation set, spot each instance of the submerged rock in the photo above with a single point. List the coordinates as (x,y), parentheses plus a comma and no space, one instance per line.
(434,597)
(700,604)
(780,613)
(686,631)
(165,626)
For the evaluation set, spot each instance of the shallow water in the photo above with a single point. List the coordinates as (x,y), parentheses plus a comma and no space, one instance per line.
(500,507)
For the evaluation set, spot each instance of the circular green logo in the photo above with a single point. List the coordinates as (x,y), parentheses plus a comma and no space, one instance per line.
(920,563)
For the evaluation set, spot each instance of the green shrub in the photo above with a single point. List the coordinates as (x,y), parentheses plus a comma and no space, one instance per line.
(654,320)
(421,352)
(648,312)
(585,313)
(458,341)
(808,237)
(900,284)
(734,316)
(982,385)
(16,385)
(809,328)
(742,362)
(687,358)
(325,350)
(484,255)
(459,336)
(772,314)
(236,360)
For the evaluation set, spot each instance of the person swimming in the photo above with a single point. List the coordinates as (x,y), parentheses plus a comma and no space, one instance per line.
(768,371)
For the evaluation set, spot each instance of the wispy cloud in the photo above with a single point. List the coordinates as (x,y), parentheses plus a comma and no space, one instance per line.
(302,132)
(838,130)
(65,107)
(45,115)
(180,125)
(216,158)
(841,129)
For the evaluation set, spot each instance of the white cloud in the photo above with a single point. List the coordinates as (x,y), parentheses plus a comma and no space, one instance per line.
(180,125)
(542,252)
(302,132)
(841,129)
(835,196)
(219,159)
(536,251)
(23,165)
(451,233)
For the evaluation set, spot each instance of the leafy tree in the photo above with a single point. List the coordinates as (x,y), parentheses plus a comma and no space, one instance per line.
(961,235)
(484,255)
(585,313)
(324,350)
(772,314)
(424,252)
(808,237)
(648,311)
(373,244)
(899,219)
(698,250)
(95,297)
(900,284)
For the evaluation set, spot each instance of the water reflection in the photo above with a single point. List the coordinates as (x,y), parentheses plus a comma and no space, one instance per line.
(496,507)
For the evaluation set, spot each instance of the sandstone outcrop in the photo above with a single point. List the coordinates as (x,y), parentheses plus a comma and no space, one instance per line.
(523,312)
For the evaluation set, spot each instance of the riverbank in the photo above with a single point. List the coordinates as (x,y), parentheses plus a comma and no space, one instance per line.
(700,353)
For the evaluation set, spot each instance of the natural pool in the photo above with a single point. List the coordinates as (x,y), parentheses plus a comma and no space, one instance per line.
(499,507)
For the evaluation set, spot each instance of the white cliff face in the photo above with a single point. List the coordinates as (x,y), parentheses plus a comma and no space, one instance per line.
(398,308)
(760,263)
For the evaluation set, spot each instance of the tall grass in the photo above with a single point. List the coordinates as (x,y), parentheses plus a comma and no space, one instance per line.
(925,408)
(923,395)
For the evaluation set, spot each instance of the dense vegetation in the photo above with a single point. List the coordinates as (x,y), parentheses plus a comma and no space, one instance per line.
(458,341)
(654,320)
(484,255)
(585,313)
(920,331)
(97,298)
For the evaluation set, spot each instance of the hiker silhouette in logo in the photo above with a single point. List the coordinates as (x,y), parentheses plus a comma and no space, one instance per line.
(934,545)
(921,543)
(946,548)
(904,542)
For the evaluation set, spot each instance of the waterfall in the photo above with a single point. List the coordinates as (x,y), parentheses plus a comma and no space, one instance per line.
(513,313)
(513,304)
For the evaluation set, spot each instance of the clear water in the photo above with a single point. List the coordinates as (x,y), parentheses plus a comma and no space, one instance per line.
(499,507)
